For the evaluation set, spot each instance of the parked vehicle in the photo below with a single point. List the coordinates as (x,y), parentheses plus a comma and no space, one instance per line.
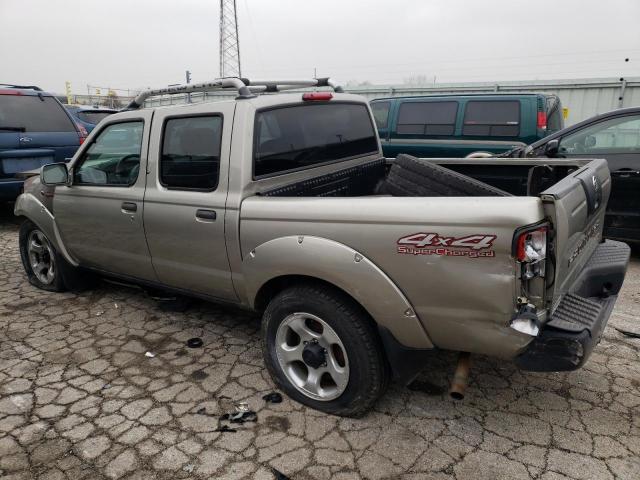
(88,117)
(614,136)
(454,125)
(35,130)
(285,205)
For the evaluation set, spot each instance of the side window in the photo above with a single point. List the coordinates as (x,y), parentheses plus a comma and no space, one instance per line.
(616,135)
(492,118)
(427,118)
(381,113)
(190,158)
(113,159)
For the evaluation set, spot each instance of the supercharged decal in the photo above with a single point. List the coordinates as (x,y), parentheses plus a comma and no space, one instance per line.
(471,246)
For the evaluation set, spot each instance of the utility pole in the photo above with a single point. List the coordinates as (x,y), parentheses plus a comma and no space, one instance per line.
(187,74)
(229,42)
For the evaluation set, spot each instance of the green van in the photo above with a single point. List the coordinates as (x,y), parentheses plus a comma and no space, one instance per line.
(457,125)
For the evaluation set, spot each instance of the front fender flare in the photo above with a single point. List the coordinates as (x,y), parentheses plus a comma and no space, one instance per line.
(343,267)
(27,205)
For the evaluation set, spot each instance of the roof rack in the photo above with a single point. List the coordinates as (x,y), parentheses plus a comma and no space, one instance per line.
(246,88)
(25,87)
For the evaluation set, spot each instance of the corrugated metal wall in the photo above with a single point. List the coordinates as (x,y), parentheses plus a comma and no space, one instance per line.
(583,97)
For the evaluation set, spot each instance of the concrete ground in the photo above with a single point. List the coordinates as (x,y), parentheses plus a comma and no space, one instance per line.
(79,399)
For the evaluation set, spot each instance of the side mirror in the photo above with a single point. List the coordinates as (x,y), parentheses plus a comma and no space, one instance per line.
(551,148)
(54,174)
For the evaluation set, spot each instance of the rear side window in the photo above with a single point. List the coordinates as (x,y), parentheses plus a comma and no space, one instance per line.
(191,153)
(492,119)
(92,117)
(427,118)
(381,113)
(34,114)
(303,136)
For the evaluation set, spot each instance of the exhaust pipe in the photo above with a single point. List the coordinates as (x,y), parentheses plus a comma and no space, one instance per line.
(460,377)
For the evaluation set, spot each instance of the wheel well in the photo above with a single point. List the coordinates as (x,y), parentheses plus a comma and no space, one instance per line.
(278,284)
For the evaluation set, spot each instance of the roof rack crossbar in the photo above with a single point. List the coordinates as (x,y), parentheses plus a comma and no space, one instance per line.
(244,86)
(25,87)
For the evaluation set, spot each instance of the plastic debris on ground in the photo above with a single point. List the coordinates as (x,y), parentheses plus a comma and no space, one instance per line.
(195,342)
(273,397)
(279,475)
(628,333)
(149,354)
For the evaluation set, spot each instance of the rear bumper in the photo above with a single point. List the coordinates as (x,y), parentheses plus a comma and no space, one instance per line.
(576,326)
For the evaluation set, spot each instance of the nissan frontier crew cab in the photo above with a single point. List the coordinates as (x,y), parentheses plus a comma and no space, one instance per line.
(283,204)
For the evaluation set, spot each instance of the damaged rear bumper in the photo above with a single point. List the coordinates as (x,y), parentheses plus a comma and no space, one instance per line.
(575,328)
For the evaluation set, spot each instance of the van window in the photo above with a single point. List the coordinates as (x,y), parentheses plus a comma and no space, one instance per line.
(304,136)
(381,113)
(427,118)
(191,153)
(492,118)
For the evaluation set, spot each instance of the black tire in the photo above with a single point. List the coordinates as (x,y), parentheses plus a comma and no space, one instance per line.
(411,176)
(65,276)
(369,371)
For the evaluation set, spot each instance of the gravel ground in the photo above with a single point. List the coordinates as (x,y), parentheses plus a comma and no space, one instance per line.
(79,399)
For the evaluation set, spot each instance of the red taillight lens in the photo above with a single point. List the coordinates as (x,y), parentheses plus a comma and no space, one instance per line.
(542,120)
(531,246)
(317,96)
(4,91)
(82,133)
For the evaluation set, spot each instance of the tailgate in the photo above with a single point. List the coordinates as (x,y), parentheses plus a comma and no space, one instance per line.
(576,206)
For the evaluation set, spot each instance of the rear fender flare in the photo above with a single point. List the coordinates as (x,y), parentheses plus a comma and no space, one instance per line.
(343,267)
(28,206)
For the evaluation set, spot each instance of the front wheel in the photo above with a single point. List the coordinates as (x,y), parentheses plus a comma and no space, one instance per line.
(323,350)
(40,259)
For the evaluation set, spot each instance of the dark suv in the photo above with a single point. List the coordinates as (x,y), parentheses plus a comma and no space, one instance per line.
(35,129)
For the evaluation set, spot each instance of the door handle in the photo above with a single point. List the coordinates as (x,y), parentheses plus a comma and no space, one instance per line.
(129,207)
(207,215)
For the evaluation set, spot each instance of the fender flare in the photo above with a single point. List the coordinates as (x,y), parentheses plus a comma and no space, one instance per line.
(28,206)
(343,267)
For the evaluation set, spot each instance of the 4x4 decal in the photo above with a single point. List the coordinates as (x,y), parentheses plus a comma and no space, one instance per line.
(472,246)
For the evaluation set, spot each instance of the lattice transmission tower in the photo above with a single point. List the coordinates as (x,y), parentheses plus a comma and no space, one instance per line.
(229,42)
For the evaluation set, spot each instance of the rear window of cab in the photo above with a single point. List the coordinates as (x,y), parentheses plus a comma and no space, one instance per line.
(299,137)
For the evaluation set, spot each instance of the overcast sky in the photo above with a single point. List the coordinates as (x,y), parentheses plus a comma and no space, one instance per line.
(140,43)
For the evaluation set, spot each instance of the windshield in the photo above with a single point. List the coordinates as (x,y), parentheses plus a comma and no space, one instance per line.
(31,113)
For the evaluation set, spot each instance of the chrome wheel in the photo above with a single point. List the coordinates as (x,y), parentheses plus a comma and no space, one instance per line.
(41,257)
(312,356)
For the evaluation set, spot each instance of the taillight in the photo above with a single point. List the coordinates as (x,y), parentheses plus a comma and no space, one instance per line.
(82,133)
(542,120)
(4,91)
(531,251)
(317,96)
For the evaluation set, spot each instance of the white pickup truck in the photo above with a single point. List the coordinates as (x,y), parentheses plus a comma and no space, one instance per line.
(283,204)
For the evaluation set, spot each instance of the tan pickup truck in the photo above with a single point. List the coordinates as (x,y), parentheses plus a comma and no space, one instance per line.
(282,203)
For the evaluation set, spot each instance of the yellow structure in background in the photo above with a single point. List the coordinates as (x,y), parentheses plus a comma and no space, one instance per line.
(565,113)
(67,86)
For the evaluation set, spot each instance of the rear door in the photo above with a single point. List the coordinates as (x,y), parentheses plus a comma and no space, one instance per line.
(617,140)
(184,205)
(100,214)
(576,206)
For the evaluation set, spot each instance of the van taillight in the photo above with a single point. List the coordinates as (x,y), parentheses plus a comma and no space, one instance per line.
(542,120)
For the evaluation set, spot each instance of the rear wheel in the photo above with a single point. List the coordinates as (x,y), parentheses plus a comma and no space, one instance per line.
(323,350)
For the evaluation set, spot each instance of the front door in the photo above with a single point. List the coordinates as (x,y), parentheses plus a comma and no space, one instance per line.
(618,141)
(184,204)
(100,214)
